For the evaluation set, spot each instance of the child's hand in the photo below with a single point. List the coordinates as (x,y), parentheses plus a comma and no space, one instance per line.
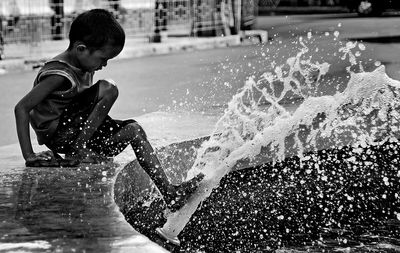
(41,156)
(49,159)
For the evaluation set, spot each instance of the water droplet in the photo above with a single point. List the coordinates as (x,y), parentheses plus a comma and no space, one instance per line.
(336,34)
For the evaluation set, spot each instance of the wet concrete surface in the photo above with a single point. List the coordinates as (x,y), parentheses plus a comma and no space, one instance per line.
(64,210)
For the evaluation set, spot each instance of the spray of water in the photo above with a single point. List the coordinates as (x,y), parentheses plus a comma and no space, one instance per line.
(365,112)
(257,126)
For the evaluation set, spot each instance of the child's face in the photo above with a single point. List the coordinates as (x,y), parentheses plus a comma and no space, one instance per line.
(93,60)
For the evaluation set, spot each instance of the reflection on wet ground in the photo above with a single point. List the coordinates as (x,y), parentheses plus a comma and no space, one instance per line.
(64,209)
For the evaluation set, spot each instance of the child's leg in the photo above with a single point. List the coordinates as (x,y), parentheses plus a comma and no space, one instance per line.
(175,196)
(107,94)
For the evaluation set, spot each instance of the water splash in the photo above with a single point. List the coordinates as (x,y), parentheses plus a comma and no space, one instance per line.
(256,117)
(260,125)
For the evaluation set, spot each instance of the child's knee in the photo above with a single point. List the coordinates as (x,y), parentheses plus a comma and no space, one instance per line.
(137,130)
(108,90)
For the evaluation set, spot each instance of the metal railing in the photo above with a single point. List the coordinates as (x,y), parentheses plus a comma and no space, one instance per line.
(32,21)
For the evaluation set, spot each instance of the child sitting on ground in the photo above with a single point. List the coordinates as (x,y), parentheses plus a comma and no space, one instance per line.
(70,114)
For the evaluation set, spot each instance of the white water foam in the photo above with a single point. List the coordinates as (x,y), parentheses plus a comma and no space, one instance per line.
(256,126)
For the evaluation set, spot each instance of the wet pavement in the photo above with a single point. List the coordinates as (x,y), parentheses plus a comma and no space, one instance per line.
(64,210)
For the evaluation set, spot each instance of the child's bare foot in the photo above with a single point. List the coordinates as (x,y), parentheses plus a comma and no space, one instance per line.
(179,194)
(85,155)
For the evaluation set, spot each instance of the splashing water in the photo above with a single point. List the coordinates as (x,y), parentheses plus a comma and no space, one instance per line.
(258,126)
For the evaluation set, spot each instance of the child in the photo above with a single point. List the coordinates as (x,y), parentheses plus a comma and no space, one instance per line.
(70,114)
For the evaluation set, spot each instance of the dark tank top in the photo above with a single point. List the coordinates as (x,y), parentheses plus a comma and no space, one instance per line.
(45,116)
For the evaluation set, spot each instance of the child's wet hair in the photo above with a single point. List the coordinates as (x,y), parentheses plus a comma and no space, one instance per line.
(96,28)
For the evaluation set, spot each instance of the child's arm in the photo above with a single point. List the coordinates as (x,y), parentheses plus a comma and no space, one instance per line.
(27,103)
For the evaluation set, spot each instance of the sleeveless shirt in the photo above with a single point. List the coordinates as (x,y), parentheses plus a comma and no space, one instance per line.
(44,117)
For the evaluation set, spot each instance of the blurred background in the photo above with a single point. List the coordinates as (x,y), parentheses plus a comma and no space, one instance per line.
(31,22)
(26,21)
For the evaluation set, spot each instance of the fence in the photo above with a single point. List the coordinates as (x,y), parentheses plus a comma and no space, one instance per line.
(37,20)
